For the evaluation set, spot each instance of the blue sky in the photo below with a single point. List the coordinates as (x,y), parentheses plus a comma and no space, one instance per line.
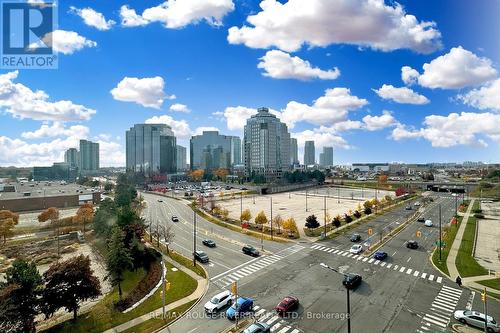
(320,65)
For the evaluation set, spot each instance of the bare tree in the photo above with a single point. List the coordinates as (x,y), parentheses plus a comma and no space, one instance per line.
(168,235)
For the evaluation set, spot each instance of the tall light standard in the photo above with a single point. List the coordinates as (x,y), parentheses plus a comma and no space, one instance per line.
(324,205)
(440,238)
(194,235)
(271,217)
(306,199)
(241,205)
(348,300)
(338,195)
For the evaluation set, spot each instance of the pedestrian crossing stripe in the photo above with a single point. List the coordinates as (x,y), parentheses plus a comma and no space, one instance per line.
(442,308)
(277,324)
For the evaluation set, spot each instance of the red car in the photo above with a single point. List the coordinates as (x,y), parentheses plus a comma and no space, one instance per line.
(287,304)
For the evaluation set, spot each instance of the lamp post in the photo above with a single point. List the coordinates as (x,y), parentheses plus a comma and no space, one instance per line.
(338,195)
(440,238)
(271,217)
(194,236)
(324,205)
(306,199)
(348,300)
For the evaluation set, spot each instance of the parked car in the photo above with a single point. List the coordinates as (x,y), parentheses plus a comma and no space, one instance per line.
(380,255)
(355,237)
(219,301)
(209,243)
(416,204)
(175,219)
(288,303)
(356,249)
(428,223)
(408,207)
(250,250)
(201,256)
(477,319)
(411,244)
(259,327)
(351,281)
(240,307)
(159,200)
(421,219)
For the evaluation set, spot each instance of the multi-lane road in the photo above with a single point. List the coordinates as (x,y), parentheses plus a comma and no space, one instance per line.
(401,294)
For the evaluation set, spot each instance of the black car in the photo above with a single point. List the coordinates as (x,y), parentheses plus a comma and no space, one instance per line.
(421,219)
(208,242)
(411,244)
(250,250)
(408,207)
(351,281)
(201,256)
(355,237)
(175,219)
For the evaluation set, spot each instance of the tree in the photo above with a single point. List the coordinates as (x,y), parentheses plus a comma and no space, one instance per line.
(312,222)
(104,218)
(197,175)
(108,187)
(382,180)
(84,214)
(278,222)
(221,174)
(261,219)
(67,284)
(51,214)
(119,259)
(168,235)
(8,220)
(246,216)
(290,226)
(336,221)
(347,218)
(224,213)
(19,296)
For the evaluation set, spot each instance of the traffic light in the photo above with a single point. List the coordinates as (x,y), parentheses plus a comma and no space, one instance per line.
(234,288)
(370,231)
(419,233)
(483,296)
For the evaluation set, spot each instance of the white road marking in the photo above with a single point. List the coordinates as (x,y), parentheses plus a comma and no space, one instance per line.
(408,259)
(439,279)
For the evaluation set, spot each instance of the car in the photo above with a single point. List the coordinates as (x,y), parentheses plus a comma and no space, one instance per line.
(351,281)
(416,204)
(244,188)
(259,327)
(408,207)
(356,249)
(421,219)
(209,243)
(428,223)
(380,255)
(175,219)
(250,250)
(219,301)
(201,256)
(287,304)
(228,187)
(159,200)
(239,308)
(411,244)
(355,238)
(474,318)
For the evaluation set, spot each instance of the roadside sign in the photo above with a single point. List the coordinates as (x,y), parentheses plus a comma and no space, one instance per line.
(234,288)
(419,233)
(370,231)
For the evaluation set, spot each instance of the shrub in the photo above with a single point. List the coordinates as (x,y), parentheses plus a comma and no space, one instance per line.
(478,211)
(479,216)
(347,218)
(368,210)
(336,222)
(312,222)
(357,214)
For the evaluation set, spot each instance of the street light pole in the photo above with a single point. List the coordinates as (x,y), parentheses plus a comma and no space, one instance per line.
(194,236)
(440,238)
(338,195)
(348,299)
(271,217)
(306,199)
(324,205)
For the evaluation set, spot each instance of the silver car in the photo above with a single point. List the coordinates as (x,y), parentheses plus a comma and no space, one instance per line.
(258,328)
(474,318)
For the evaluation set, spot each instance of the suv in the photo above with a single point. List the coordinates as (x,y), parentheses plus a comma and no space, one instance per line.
(351,281)
(201,256)
(421,219)
(475,318)
(250,250)
(259,327)
(411,244)
(219,301)
(355,238)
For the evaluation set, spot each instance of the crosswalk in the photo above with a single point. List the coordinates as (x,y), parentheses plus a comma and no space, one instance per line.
(278,325)
(441,310)
(235,274)
(397,268)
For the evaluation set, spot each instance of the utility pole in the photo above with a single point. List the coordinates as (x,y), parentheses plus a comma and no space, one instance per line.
(348,299)
(306,200)
(164,290)
(324,205)
(241,205)
(338,195)
(485,312)
(194,236)
(440,238)
(271,217)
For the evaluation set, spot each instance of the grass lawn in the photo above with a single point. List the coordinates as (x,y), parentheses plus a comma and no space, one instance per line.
(466,264)
(156,323)
(494,284)
(104,316)
(448,238)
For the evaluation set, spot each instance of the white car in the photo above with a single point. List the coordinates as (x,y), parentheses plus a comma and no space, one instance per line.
(428,223)
(474,318)
(219,301)
(417,204)
(356,249)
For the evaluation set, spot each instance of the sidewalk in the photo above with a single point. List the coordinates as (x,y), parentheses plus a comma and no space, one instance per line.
(452,256)
(197,294)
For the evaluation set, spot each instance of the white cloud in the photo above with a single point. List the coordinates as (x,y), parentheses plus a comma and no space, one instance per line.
(401,95)
(280,65)
(369,23)
(454,129)
(486,97)
(457,69)
(111,153)
(66,42)
(236,116)
(375,123)
(180,127)
(57,129)
(178,107)
(129,17)
(147,92)
(322,137)
(22,102)
(409,75)
(93,18)
(178,14)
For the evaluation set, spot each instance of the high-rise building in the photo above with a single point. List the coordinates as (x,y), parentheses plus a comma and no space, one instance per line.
(89,156)
(294,152)
(309,153)
(326,157)
(151,149)
(235,150)
(266,145)
(71,157)
(181,158)
(210,151)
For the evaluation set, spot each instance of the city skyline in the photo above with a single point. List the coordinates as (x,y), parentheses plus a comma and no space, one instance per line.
(399,102)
